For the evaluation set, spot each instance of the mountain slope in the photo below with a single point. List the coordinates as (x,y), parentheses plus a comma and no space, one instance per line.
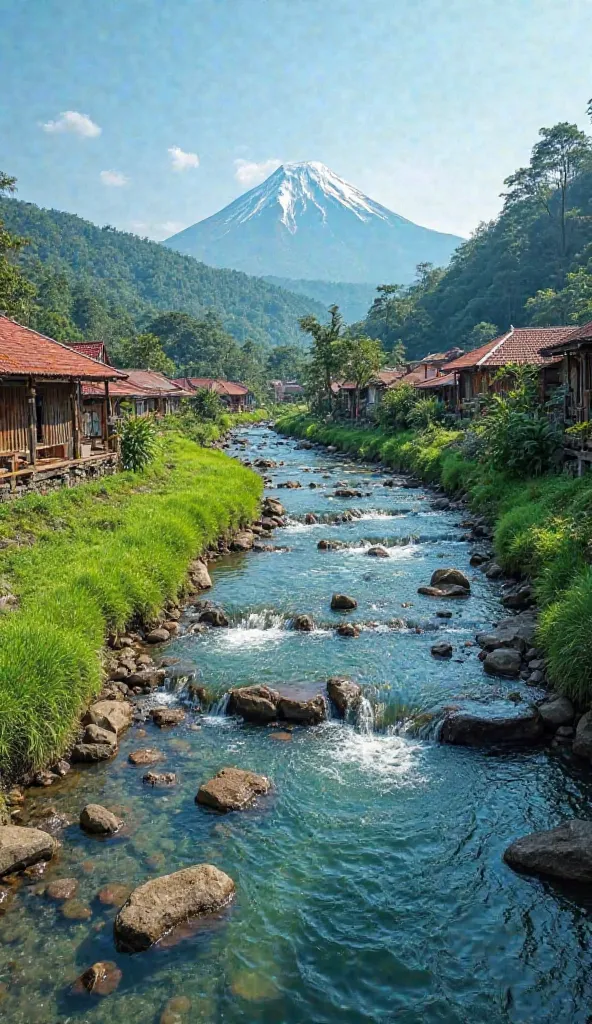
(306,222)
(353,300)
(141,276)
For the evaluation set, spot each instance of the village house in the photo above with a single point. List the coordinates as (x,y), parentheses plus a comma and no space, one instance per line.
(286,391)
(41,432)
(575,351)
(474,372)
(236,397)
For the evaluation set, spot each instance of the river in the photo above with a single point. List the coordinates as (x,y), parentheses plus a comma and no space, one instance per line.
(370,884)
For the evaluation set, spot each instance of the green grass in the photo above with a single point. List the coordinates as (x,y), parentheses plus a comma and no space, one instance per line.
(542,529)
(85,563)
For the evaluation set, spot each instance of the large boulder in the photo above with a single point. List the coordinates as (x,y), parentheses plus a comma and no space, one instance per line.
(517,632)
(564,852)
(273,507)
(493,726)
(200,576)
(88,751)
(243,541)
(114,715)
(256,704)
(232,789)
(213,616)
(160,904)
(582,744)
(344,694)
(504,661)
(21,847)
(303,623)
(164,718)
(343,602)
(98,820)
(302,712)
(450,577)
(557,712)
(518,596)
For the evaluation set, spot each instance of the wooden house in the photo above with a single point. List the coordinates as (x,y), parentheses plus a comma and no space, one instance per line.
(444,387)
(40,402)
(475,371)
(575,351)
(236,397)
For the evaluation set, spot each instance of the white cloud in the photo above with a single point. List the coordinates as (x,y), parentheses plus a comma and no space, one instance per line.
(113,178)
(72,121)
(158,230)
(250,173)
(180,160)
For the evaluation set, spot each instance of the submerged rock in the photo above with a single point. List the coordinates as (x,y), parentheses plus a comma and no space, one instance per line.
(158,905)
(344,693)
(331,545)
(164,718)
(159,778)
(347,492)
(147,755)
(20,847)
(445,590)
(564,852)
(378,551)
(493,726)
(256,704)
(98,820)
(343,602)
(232,789)
(62,889)
(442,650)
(113,894)
(101,979)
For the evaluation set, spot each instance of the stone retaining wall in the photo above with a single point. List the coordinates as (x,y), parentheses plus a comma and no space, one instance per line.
(44,481)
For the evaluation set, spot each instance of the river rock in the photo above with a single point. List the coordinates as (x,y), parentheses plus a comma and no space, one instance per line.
(232,789)
(243,541)
(303,712)
(62,889)
(331,545)
(509,725)
(303,623)
(447,577)
(159,778)
(442,650)
(445,590)
(310,519)
(479,558)
(88,753)
(101,979)
(158,636)
(519,596)
(98,820)
(21,847)
(164,718)
(147,755)
(343,602)
(564,852)
(273,507)
(557,712)
(158,905)
(582,744)
(200,576)
(213,616)
(348,629)
(504,661)
(347,492)
(113,894)
(114,715)
(344,693)
(378,552)
(290,485)
(256,704)
(96,734)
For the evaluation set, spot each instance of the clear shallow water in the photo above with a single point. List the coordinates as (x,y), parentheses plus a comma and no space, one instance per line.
(370,884)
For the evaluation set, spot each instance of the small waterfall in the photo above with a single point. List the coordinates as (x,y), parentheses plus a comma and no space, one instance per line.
(364,722)
(220,707)
(265,619)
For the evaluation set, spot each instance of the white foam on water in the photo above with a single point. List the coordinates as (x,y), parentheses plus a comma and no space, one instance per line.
(387,755)
(397,551)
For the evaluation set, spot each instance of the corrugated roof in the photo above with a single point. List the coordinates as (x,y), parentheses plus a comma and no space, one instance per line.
(518,345)
(26,353)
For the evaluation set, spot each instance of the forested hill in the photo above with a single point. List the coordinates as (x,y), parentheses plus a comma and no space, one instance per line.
(139,276)
(353,299)
(530,266)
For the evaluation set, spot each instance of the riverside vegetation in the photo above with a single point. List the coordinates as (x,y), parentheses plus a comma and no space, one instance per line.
(542,526)
(79,564)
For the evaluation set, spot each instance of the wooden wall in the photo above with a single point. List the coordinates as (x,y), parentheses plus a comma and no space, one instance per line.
(14,418)
(57,413)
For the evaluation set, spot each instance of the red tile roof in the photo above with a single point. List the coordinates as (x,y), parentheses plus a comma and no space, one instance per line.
(117,389)
(572,340)
(221,387)
(518,345)
(445,379)
(412,377)
(26,353)
(156,383)
(93,349)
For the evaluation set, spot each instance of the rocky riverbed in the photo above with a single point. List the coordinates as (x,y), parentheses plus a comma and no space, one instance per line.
(294,799)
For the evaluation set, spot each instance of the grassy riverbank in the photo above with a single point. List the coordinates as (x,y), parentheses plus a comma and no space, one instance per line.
(85,562)
(542,529)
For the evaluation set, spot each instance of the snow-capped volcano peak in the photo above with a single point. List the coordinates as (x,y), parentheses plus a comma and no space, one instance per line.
(296,187)
(304,221)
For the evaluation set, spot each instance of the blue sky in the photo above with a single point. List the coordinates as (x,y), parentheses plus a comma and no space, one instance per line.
(426,105)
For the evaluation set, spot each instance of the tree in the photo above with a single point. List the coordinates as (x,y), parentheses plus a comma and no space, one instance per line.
(206,404)
(361,359)
(326,362)
(286,362)
(144,352)
(480,334)
(16,292)
(556,160)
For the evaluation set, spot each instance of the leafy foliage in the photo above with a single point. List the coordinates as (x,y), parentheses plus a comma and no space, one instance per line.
(518,436)
(16,293)
(206,404)
(396,407)
(138,442)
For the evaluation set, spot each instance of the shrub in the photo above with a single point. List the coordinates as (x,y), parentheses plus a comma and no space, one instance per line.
(138,442)
(565,634)
(396,406)
(520,443)
(425,412)
(206,404)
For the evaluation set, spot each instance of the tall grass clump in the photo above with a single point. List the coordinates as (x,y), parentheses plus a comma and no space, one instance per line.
(90,561)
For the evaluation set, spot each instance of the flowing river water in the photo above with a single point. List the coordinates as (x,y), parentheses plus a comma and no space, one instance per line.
(370,884)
